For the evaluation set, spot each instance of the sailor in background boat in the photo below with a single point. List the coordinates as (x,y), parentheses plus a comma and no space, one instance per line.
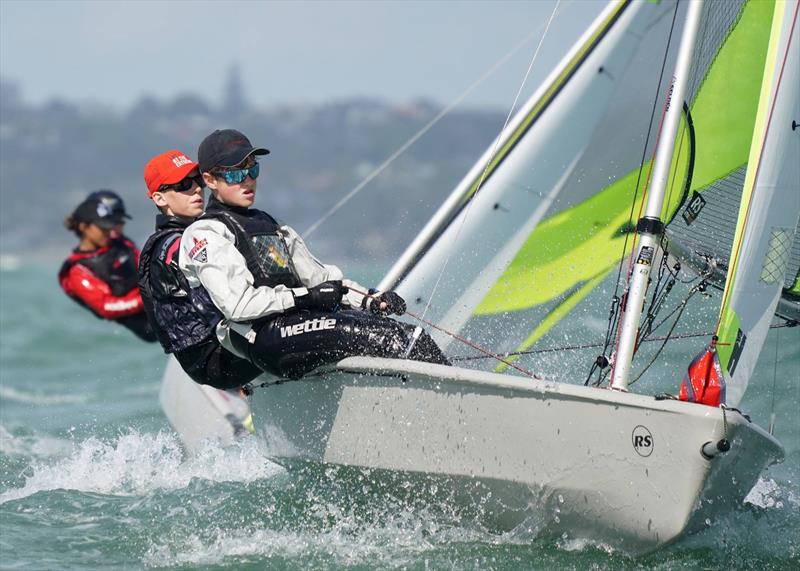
(184,318)
(282,309)
(101,273)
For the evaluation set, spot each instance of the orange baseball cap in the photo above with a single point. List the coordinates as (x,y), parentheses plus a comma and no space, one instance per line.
(167,168)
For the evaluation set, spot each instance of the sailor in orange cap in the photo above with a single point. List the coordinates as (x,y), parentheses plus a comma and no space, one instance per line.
(184,318)
(282,309)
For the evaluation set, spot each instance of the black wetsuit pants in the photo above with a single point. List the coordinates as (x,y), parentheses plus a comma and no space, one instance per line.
(208,363)
(292,344)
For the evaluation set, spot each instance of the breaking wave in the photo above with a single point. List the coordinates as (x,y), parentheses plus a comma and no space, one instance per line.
(136,464)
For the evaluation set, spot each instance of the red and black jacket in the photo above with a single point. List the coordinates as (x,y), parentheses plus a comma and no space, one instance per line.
(104,280)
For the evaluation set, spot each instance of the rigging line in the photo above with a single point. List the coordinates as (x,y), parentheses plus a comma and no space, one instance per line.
(658,290)
(688,126)
(624,305)
(495,147)
(660,297)
(577,347)
(416,136)
(774,381)
(644,150)
(647,183)
(601,361)
(661,293)
(667,337)
(735,258)
(457,337)
(687,186)
(676,164)
(654,309)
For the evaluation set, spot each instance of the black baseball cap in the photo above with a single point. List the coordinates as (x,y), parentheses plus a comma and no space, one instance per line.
(94,210)
(225,148)
(112,200)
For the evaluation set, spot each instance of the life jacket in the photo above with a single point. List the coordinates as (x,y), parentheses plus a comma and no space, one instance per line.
(181,316)
(115,265)
(260,240)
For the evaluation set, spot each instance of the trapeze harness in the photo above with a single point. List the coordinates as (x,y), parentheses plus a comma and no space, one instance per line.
(295,342)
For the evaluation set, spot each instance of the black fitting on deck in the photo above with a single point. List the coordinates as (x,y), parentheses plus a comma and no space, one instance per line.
(711,449)
(647,225)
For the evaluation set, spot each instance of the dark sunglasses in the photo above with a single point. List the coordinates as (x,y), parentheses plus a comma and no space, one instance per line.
(236,176)
(184,185)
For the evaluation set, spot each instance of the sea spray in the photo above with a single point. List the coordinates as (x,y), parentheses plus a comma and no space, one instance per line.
(231,509)
(136,464)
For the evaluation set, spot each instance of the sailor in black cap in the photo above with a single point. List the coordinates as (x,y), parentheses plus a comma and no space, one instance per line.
(101,273)
(282,308)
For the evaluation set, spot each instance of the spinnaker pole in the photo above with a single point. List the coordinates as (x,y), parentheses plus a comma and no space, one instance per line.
(650,227)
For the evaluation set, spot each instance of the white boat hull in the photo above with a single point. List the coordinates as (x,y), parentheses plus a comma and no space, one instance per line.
(201,414)
(618,468)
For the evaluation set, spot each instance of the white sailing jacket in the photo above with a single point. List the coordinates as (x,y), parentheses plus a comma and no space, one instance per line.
(209,259)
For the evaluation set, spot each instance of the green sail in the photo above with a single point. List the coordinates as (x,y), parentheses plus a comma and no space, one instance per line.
(570,250)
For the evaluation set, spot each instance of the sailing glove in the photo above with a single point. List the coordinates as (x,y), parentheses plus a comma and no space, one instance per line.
(326,296)
(394,304)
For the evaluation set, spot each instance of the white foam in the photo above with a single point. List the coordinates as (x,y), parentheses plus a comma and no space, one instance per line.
(135,464)
(8,444)
(36,446)
(768,494)
(400,539)
(581,544)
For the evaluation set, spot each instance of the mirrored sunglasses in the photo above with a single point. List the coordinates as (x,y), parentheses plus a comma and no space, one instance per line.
(236,176)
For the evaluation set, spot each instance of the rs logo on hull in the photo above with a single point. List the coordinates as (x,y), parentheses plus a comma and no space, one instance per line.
(642,441)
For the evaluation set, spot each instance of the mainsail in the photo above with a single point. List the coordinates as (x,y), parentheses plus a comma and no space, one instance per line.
(541,221)
(548,169)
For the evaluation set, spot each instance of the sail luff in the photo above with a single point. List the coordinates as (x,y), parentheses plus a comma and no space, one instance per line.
(769,211)
(651,226)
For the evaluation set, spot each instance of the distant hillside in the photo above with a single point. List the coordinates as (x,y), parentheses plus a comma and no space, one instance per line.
(52,156)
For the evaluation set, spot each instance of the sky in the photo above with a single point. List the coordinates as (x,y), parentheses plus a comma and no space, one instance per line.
(115,51)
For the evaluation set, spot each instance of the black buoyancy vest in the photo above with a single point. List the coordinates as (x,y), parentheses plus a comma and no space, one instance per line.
(116,266)
(260,241)
(181,316)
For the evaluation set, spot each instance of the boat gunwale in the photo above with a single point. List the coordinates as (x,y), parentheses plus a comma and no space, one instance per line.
(531,387)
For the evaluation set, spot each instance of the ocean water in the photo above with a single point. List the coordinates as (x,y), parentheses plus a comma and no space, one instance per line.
(92,477)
